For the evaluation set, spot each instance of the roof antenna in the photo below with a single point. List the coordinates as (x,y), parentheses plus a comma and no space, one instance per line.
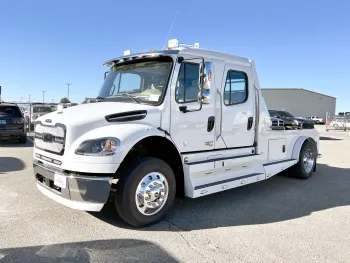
(171,28)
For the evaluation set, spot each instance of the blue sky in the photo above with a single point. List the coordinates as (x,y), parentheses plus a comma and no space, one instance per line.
(296,44)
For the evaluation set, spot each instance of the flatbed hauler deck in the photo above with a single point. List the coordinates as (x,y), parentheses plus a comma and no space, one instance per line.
(182,121)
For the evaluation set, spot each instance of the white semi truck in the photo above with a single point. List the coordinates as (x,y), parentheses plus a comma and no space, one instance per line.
(183,121)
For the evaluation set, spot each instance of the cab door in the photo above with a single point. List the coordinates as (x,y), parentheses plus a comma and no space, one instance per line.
(238,106)
(192,126)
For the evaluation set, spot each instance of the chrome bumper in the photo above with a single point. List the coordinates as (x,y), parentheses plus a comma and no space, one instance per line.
(88,193)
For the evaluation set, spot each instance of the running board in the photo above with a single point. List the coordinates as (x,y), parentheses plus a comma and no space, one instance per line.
(201,179)
(274,168)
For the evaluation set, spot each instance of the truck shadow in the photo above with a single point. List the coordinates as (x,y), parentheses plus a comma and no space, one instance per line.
(11,164)
(114,250)
(14,143)
(277,199)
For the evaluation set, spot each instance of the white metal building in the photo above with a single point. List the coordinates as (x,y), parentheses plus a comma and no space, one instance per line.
(300,102)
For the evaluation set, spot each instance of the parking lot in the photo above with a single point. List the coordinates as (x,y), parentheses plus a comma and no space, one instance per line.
(279,220)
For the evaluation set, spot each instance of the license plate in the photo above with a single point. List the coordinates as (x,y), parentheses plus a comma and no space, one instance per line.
(2,122)
(60,181)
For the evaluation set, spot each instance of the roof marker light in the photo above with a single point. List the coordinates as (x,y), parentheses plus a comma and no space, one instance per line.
(173,43)
(127,52)
(196,45)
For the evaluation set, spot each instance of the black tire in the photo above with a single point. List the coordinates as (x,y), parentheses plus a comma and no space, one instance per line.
(126,190)
(298,170)
(23,139)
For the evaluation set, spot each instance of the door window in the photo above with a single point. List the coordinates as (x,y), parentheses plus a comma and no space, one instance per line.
(187,86)
(236,88)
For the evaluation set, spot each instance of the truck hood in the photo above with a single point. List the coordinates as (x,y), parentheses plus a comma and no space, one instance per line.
(86,117)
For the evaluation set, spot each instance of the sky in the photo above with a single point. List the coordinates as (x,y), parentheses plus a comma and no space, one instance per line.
(295,44)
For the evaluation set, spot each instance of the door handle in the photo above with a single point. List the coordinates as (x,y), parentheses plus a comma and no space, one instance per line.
(211,122)
(250,123)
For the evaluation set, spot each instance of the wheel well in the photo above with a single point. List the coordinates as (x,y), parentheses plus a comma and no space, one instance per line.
(161,148)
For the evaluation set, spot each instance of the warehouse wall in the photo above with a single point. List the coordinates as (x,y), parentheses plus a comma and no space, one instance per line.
(301,103)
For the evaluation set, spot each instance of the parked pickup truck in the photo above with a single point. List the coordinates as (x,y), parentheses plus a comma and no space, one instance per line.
(183,121)
(292,122)
(317,120)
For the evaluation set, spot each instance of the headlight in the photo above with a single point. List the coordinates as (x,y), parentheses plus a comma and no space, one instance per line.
(34,117)
(99,147)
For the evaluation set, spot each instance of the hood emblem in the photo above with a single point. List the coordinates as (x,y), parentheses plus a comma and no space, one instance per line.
(48,121)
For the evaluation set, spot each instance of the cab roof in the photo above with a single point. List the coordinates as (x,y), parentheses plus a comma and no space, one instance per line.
(209,54)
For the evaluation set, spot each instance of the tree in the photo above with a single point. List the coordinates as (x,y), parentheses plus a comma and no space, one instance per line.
(65,100)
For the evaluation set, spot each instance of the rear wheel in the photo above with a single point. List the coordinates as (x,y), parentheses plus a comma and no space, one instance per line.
(307,161)
(145,192)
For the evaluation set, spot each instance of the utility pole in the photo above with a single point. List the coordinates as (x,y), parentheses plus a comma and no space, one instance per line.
(30,115)
(43,95)
(68,84)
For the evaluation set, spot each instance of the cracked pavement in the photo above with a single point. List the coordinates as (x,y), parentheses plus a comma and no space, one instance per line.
(279,220)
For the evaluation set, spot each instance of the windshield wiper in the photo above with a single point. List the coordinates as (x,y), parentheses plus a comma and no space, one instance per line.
(100,98)
(130,96)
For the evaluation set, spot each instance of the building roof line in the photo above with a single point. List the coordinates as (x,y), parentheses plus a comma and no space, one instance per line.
(300,89)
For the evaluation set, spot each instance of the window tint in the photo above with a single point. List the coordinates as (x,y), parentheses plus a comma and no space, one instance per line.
(235,88)
(187,86)
(285,114)
(273,114)
(10,111)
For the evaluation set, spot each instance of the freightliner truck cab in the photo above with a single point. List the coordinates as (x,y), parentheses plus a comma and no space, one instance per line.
(177,122)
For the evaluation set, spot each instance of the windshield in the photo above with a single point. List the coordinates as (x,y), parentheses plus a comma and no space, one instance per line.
(42,109)
(142,81)
(285,114)
(10,111)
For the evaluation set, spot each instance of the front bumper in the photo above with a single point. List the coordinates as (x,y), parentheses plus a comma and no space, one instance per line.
(88,193)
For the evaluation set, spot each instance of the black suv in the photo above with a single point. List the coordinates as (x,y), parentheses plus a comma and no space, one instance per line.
(11,123)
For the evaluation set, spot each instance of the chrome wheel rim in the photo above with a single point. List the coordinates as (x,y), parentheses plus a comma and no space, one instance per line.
(151,193)
(308,160)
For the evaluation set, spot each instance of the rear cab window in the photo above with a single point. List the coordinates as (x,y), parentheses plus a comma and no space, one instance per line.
(10,112)
(236,88)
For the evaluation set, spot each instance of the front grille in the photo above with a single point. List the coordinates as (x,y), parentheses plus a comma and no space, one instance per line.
(277,124)
(50,138)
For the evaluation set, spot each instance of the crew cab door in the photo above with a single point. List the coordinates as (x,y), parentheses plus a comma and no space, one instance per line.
(191,131)
(238,106)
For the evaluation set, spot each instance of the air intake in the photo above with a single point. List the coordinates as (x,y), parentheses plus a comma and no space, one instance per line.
(127,116)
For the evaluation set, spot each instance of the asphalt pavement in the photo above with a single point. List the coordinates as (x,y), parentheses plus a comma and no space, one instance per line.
(279,220)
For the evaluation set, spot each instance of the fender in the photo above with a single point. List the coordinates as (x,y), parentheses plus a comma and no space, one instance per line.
(299,143)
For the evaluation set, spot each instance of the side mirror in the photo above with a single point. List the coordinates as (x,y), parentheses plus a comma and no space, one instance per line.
(106,74)
(205,97)
(208,71)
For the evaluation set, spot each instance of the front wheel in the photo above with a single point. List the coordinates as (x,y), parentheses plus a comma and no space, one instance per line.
(145,192)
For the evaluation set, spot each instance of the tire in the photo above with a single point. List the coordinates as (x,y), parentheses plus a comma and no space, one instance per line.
(128,205)
(23,139)
(299,170)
